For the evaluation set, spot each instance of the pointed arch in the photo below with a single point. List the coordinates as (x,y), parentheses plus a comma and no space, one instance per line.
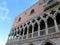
(36,27)
(25,31)
(21,32)
(48,42)
(50,22)
(58,18)
(30,28)
(42,25)
(42,28)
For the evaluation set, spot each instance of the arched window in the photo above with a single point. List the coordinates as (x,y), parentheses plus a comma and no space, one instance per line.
(58,18)
(21,26)
(15,33)
(48,43)
(19,19)
(18,30)
(32,11)
(42,28)
(30,29)
(25,32)
(50,22)
(35,27)
(21,32)
(42,25)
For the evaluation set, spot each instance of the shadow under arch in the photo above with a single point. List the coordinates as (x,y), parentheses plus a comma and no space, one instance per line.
(30,28)
(58,18)
(36,27)
(42,25)
(51,25)
(48,42)
(50,22)
(25,32)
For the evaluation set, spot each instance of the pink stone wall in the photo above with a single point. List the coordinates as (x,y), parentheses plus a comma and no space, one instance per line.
(25,16)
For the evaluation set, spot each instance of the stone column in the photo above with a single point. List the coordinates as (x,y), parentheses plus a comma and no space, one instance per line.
(38,29)
(46,27)
(56,27)
(32,30)
(23,32)
(27,31)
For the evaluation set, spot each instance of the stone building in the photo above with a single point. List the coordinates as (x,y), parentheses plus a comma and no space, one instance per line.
(38,25)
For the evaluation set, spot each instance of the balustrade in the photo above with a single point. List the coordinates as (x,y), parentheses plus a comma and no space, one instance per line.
(35,34)
(51,30)
(30,35)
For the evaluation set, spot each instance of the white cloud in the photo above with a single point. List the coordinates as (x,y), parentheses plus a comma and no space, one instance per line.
(2,43)
(4,11)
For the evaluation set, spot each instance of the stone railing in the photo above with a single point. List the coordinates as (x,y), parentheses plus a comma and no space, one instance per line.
(35,34)
(30,35)
(59,27)
(42,32)
(51,31)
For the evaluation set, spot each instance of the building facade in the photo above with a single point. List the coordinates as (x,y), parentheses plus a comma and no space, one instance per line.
(38,25)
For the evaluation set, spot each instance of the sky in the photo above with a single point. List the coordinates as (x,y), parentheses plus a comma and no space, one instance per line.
(9,9)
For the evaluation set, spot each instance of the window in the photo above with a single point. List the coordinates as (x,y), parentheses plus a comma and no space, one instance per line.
(35,27)
(21,32)
(19,19)
(25,31)
(18,32)
(21,26)
(42,25)
(30,29)
(15,33)
(32,11)
(50,22)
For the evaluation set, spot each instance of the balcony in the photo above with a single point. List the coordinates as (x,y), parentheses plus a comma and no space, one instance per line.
(35,34)
(30,35)
(51,30)
(25,36)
